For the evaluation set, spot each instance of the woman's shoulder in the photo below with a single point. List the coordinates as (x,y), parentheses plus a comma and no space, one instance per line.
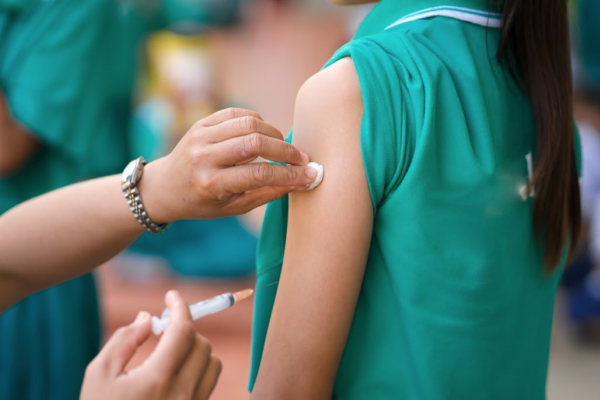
(378,60)
(357,98)
(325,103)
(337,82)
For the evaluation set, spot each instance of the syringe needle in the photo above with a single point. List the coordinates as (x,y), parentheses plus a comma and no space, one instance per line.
(242,294)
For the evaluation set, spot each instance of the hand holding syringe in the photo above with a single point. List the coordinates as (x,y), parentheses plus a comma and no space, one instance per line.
(203,308)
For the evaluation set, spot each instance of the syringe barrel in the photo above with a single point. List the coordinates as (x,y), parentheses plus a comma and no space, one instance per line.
(211,306)
(198,310)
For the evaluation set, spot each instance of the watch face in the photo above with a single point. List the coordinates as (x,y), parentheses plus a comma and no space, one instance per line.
(133,171)
(129,169)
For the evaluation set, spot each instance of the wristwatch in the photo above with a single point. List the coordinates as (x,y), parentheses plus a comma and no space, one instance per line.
(129,180)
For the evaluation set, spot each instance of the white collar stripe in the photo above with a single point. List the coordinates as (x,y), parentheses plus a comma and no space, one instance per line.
(455,8)
(492,20)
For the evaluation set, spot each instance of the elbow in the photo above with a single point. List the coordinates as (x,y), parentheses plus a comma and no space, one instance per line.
(16,152)
(12,291)
(9,167)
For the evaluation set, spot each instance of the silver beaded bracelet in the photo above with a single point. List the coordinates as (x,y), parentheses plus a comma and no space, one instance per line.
(129,180)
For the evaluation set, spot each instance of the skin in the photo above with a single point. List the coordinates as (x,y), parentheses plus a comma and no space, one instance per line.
(208,175)
(17,144)
(181,366)
(325,253)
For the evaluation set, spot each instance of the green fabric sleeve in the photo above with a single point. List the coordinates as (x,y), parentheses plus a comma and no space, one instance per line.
(386,156)
(47,68)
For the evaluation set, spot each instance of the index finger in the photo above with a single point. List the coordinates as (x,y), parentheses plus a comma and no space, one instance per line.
(227,114)
(242,126)
(247,148)
(178,339)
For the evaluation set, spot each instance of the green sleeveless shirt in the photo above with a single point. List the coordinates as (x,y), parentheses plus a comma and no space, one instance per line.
(454,303)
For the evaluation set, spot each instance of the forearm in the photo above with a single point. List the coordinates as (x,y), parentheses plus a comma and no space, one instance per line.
(209,174)
(62,235)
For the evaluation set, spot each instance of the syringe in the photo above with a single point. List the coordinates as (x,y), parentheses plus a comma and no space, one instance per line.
(203,308)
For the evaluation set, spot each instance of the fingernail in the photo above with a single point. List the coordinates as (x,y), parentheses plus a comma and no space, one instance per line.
(305,158)
(311,173)
(170,295)
(141,318)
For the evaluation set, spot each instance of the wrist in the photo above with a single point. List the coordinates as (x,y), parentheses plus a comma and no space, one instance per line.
(152,191)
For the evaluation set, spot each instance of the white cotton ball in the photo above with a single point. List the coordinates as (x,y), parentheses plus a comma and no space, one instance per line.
(319,168)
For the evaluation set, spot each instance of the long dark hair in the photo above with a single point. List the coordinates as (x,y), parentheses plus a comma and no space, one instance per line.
(534,44)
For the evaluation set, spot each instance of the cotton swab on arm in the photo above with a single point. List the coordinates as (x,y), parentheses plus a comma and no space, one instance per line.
(320,171)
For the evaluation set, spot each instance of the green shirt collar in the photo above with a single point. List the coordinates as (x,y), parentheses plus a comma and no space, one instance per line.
(388,12)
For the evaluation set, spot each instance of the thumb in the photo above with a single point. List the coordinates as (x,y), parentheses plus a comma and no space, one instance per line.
(123,344)
(256,198)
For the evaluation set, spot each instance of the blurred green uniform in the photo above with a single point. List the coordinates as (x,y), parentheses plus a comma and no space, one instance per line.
(67,69)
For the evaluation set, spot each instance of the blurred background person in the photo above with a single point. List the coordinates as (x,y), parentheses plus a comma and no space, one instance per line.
(582,280)
(67,71)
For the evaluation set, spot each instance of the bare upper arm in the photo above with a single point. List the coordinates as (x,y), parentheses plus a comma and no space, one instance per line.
(329,233)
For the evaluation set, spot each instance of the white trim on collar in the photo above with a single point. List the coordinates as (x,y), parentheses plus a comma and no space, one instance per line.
(489,19)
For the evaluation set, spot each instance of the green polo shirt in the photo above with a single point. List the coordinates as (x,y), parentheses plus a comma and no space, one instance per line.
(454,303)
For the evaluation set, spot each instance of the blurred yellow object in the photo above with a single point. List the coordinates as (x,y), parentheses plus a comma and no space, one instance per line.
(180,69)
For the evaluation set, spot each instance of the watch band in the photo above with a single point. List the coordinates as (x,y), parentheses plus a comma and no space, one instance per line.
(129,180)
